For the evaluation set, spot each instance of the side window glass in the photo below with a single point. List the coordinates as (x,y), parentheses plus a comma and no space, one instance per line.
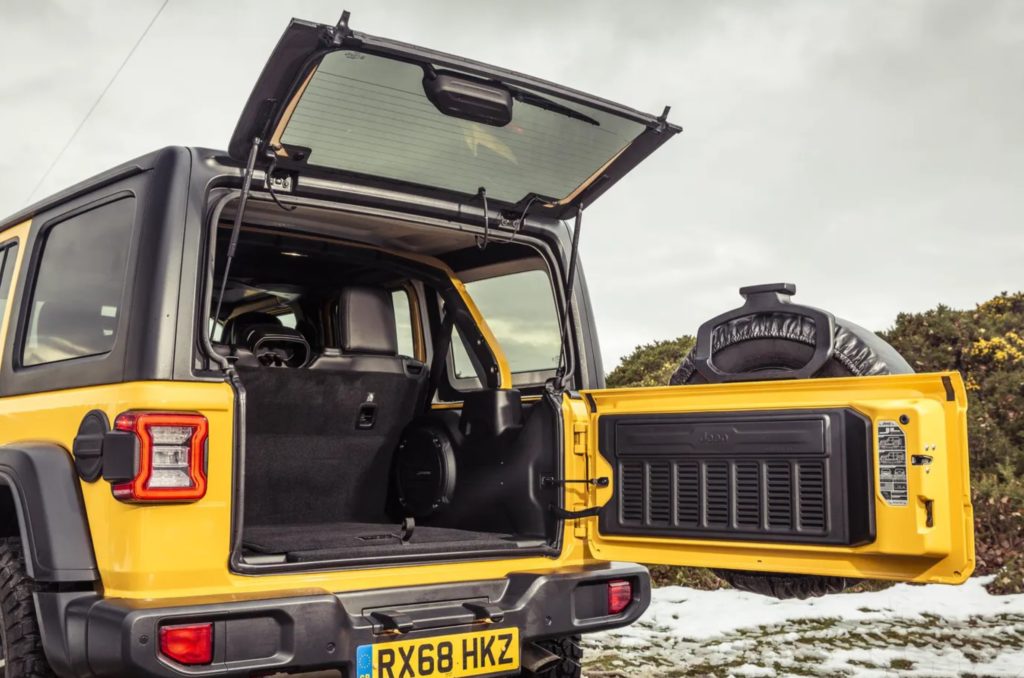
(76,301)
(520,310)
(8,255)
(288,320)
(403,323)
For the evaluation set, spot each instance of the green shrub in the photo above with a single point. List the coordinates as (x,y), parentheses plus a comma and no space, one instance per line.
(650,364)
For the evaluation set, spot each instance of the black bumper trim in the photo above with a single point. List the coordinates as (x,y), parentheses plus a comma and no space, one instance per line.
(312,631)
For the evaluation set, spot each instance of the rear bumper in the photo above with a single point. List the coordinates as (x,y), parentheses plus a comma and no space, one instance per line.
(88,636)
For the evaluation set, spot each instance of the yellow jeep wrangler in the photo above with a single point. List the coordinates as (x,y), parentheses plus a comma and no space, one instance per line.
(332,400)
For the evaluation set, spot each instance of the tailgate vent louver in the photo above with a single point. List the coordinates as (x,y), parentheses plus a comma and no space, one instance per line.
(812,496)
(786,477)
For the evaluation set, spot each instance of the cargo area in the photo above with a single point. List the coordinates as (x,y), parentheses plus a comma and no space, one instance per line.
(354,452)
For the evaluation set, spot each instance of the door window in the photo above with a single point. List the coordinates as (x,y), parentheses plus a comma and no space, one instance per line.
(520,310)
(76,301)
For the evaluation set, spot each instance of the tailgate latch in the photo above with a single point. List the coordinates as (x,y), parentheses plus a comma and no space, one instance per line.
(551,481)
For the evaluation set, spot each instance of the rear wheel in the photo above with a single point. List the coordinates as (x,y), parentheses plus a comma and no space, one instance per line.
(771,340)
(570,658)
(20,642)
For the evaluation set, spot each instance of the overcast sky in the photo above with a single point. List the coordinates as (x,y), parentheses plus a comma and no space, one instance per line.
(872,153)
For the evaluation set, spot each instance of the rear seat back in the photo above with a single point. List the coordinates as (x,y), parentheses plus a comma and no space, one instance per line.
(320,440)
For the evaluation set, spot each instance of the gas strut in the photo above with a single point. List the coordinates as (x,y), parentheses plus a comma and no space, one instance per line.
(563,374)
(236,227)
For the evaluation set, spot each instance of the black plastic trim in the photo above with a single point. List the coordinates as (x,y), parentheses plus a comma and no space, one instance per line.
(88,445)
(770,298)
(319,630)
(51,514)
(947,384)
(670,490)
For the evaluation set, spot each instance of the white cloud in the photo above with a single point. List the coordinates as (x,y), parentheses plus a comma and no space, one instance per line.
(869,152)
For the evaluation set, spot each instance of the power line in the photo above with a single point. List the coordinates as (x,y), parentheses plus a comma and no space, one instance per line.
(98,100)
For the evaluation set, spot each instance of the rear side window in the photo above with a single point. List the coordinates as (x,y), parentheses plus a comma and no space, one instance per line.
(76,302)
(520,310)
(8,255)
(403,323)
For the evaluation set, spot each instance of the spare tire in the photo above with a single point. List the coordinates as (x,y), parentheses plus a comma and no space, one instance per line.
(769,340)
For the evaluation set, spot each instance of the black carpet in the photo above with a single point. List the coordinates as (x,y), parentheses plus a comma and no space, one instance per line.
(327,541)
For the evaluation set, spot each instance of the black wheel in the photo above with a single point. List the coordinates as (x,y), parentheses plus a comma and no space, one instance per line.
(19,632)
(778,340)
(570,654)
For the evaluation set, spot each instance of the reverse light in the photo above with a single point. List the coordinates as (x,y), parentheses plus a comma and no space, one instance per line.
(170,458)
(189,644)
(620,595)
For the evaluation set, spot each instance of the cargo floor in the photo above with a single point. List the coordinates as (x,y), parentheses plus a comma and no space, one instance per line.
(312,542)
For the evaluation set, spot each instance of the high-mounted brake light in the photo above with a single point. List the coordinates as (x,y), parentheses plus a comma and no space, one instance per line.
(189,644)
(620,595)
(171,456)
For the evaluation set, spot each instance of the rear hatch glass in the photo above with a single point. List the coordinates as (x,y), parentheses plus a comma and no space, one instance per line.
(370,115)
(332,101)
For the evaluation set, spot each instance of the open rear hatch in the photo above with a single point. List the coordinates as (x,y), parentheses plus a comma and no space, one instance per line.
(344,106)
(335,102)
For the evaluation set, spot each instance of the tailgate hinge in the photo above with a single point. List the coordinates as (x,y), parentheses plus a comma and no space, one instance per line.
(579,437)
(580,447)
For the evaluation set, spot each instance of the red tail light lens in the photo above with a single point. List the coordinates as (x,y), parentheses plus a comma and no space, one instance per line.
(620,595)
(171,456)
(189,644)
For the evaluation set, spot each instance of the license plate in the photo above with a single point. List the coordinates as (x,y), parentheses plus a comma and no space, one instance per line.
(460,654)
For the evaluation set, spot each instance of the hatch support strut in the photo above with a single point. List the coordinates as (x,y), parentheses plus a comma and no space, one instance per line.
(237,226)
(563,374)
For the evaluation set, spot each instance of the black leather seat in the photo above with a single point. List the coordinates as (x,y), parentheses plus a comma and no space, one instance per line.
(320,440)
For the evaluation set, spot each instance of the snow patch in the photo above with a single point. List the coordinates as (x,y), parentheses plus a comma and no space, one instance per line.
(904,630)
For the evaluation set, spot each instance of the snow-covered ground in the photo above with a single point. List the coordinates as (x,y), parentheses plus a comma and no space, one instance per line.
(933,631)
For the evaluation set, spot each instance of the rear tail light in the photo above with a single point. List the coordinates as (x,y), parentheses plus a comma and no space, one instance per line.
(620,595)
(189,644)
(170,459)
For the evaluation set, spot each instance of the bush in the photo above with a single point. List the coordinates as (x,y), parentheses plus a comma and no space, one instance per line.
(999,530)
(987,347)
(651,364)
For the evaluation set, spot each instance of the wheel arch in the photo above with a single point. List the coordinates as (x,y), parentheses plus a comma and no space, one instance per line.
(41,502)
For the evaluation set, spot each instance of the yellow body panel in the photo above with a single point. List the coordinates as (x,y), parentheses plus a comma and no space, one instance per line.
(905,547)
(181,550)
(18,234)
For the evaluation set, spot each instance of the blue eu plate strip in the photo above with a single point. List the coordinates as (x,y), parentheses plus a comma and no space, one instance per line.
(364,661)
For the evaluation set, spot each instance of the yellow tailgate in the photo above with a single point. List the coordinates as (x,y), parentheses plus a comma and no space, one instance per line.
(920,530)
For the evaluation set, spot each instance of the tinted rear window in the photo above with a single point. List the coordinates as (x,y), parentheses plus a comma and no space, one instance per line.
(76,302)
(369,114)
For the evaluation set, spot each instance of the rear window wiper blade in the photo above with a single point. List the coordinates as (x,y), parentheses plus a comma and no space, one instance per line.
(537,100)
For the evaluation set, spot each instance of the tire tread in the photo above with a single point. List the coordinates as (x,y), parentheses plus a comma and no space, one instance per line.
(24,648)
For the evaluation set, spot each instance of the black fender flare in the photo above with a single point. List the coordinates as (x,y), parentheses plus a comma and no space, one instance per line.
(51,513)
